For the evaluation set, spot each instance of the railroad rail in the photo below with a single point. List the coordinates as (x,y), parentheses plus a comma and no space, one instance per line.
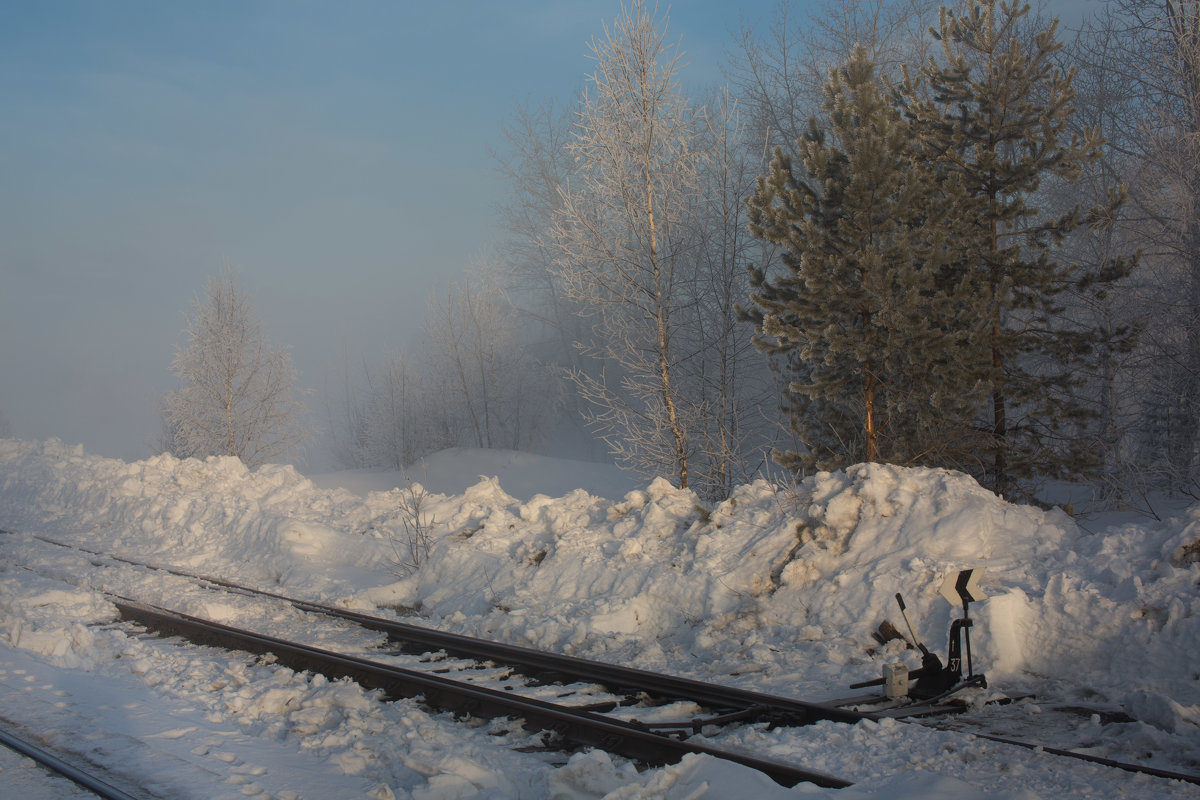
(655,743)
(577,726)
(56,765)
(549,666)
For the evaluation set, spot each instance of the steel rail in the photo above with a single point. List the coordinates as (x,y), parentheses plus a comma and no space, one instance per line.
(1091,759)
(57,765)
(774,708)
(781,709)
(577,726)
(748,705)
(744,704)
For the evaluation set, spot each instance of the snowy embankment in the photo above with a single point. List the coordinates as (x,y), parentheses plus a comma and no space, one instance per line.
(776,589)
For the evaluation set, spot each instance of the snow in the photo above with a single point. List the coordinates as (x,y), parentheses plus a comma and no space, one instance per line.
(523,475)
(777,589)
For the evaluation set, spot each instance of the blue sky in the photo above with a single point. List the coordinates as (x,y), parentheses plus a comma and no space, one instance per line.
(336,154)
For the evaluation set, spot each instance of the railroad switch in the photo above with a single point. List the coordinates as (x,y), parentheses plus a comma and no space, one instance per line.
(932,679)
(936,680)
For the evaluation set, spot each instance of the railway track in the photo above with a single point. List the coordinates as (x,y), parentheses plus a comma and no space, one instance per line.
(648,743)
(546,666)
(576,726)
(565,725)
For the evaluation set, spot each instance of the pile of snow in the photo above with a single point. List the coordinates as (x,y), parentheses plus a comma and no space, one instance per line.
(776,588)
(661,579)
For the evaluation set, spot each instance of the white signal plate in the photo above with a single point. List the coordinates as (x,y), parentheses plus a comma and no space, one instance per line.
(960,586)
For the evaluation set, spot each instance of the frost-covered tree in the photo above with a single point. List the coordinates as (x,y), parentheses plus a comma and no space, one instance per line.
(538,167)
(622,239)
(643,196)
(873,331)
(780,73)
(238,395)
(727,383)
(993,110)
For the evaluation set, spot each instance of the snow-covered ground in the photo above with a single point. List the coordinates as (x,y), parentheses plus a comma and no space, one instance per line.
(777,589)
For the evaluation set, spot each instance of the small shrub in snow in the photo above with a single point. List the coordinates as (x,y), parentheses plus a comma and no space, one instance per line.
(410,545)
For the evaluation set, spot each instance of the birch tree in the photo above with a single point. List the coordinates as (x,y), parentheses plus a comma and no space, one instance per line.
(729,384)
(622,241)
(239,395)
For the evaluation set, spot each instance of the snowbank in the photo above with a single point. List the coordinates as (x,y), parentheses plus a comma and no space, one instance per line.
(775,588)
(658,576)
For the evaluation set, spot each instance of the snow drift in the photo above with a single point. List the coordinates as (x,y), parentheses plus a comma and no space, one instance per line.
(657,575)
(778,588)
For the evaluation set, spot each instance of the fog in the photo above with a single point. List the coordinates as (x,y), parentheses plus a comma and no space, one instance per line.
(338,157)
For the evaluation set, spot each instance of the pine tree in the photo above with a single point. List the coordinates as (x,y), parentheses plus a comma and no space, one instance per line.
(862,311)
(994,111)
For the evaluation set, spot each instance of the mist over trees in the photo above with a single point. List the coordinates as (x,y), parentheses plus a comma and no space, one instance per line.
(1143,61)
(957,237)
(471,383)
